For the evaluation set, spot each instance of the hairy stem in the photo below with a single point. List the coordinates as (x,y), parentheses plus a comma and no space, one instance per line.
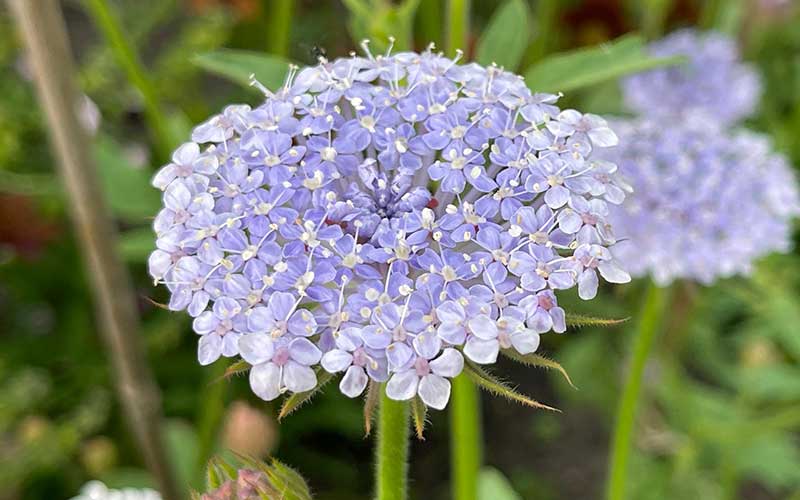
(391,452)
(465,438)
(42,27)
(126,56)
(649,321)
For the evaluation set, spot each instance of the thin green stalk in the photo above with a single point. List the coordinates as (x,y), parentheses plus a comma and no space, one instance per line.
(391,452)
(546,15)
(279,13)
(429,22)
(457,26)
(649,321)
(465,438)
(126,56)
(212,408)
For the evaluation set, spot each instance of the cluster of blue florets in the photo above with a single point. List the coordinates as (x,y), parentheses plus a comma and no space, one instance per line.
(384,216)
(709,198)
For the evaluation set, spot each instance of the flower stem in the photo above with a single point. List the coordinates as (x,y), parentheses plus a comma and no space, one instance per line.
(279,23)
(391,452)
(465,438)
(43,30)
(652,312)
(457,26)
(126,56)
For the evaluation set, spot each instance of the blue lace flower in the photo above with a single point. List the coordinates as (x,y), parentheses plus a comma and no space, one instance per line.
(707,202)
(383,217)
(713,80)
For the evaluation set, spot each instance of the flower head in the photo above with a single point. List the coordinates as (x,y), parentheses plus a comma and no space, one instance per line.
(713,79)
(708,202)
(383,217)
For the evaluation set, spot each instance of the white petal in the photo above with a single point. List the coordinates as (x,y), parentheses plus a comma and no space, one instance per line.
(256,348)
(305,352)
(483,327)
(603,137)
(587,284)
(402,386)
(177,196)
(611,272)
(298,378)
(353,382)
(434,391)
(336,360)
(449,364)
(525,341)
(265,380)
(209,348)
(482,351)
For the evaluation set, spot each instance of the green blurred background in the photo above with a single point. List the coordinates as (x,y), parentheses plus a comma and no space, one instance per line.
(720,412)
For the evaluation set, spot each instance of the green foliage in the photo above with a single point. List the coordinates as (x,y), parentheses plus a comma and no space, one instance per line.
(497,387)
(127,188)
(585,67)
(298,399)
(506,37)
(240,65)
(380,20)
(493,485)
(243,475)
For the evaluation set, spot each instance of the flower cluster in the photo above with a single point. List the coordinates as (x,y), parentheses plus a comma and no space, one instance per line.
(384,216)
(708,201)
(710,198)
(713,79)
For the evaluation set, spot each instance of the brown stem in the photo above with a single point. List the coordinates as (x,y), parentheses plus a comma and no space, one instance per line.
(41,25)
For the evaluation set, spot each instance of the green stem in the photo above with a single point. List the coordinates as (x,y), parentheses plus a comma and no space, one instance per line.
(547,13)
(429,22)
(278,25)
(652,312)
(127,58)
(457,26)
(391,452)
(465,438)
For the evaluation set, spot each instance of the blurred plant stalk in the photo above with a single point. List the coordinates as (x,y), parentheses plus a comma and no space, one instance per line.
(655,301)
(126,56)
(41,25)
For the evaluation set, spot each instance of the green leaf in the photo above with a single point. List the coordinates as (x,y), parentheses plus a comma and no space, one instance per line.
(136,244)
(297,399)
(239,65)
(537,360)
(127,188)
(589,66)
(497,387)
(181,442)
(214,476)
(493,485)
(506,37)
(580,320)
(419,413)
(288,482)
(235,368)
(771,459)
